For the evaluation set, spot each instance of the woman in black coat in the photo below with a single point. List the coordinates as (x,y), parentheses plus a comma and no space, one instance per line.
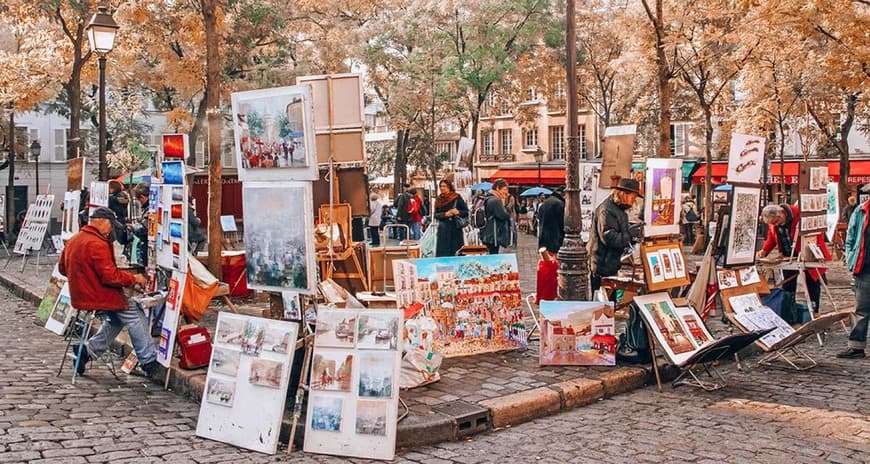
(449,206)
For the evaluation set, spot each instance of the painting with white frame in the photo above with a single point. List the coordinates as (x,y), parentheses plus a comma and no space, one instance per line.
(171,249)
(279,244)
(61,313)
(98,195)
(360,421)
(244,408)
(662,195)
(745,158)
(274,134)
(171,313)
(678,330)
(70,222)
(743,229)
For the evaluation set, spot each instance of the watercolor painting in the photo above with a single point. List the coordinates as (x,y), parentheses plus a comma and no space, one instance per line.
(577,333)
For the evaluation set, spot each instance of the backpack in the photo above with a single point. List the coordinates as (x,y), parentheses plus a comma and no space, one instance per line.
(477,214)
(692,216)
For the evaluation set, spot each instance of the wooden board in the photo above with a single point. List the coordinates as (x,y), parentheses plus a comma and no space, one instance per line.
(341,215)
(664,265)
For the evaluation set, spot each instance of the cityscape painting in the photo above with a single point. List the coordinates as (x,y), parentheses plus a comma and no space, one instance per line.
(577,333)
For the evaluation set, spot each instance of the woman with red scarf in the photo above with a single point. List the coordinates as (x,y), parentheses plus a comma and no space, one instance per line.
(449,207)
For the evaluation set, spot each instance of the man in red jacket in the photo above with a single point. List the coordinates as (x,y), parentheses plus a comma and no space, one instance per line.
(96,284)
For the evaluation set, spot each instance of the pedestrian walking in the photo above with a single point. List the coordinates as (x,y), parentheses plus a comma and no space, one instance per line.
(451,211)
(96,284)
(856,262)
(552,218)
(376,212)
(496,232)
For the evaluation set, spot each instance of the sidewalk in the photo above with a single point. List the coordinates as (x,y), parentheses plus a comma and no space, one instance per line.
(475,394)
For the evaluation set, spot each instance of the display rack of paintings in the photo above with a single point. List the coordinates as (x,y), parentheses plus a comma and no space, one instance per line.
(246,384)
(591,195)
(745,159)
(35,226)
(70,221)
(274,134)
(577,333)
(664,265)
(171,240)
(279,246)
(679,330)
(743,226)
(354,390)
(662,197)
(98,195)
(62,312)
(475,300)
(813,181)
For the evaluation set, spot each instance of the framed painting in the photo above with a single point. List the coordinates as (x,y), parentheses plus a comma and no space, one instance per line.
(274,134)
(745,158)
(662,197)
(664,266)
(743,229)
(678,330)
(577,333)
(279,243)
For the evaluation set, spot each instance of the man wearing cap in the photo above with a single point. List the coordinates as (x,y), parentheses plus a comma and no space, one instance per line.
(96,284)
(610,233)
(552,218)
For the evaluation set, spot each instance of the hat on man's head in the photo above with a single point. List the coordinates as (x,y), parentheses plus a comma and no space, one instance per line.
(629,185)
(103,213)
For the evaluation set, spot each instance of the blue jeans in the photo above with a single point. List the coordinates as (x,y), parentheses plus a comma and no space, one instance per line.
(858,336)
(514,232)
(137,327)
(416,231)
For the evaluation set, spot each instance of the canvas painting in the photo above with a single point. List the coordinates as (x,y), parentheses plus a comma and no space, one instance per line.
(246,394)
(745,158)
(819,178)
(475,300)
(175,146)
(278,237)
(224,361)
(62,312)
(52,291)
(679,331)
(332,370)
(75,174)
(662,196)
(173,172)
(274,134)
(265,373)
(326,413)
(667,264)
(376,373)
(618,151)
(221,392)
(277,339)
(371,417)
(292,306)
(335,329)
(577,333)
(70,221)
(377,331)
(744,226)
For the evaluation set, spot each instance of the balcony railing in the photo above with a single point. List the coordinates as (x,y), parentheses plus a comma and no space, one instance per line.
(498,158)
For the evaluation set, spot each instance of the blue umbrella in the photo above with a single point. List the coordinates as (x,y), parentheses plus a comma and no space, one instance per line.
(482,186)
(535,191)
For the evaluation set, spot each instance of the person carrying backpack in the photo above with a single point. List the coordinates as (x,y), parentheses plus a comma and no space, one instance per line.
(496,231)
(402,215)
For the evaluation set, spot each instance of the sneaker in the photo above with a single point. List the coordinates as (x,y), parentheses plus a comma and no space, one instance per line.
(84,361)
(150,369)
(851,353)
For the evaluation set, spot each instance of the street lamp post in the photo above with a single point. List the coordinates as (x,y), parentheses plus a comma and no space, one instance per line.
(35,151)
(101,34)
(573,259)
(539,158)
(10,185)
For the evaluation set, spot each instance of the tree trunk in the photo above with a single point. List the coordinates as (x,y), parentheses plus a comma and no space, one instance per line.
(664,75)
(73,89)
(193,136)
(400,170)
(213,110)
(782,158)
(843,148)
(708,179)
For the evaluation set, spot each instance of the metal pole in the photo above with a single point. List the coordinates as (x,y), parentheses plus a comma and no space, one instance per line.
(10,185)
(37,174)
(104,170)
(573,259)
(539,175)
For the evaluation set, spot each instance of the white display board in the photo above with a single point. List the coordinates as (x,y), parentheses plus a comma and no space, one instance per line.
(61,313)
(98,195)
(40,210)
(745,158)
(70,223)
(169,327)
(172,231)
(353,399)
(246,386)
(35,225)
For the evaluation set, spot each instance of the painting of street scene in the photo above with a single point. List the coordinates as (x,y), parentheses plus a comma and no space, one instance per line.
(376,374)
(326,413)
(270,128)
(659,309)
(577,333)
(371,418)
(253,336)
(378,331)
(331,370)
(224,361)
(220,392)
(335,328)
(278,246)
(230,330)
(266,373)
(474,300)
(279,338)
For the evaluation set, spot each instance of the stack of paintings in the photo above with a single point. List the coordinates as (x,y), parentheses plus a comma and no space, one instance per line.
(354,398)
(753,315)
(475,301)
(246,385)
(577,333)
(679,330)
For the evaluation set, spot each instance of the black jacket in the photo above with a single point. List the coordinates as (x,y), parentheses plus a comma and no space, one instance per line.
(552,217)
(498,220)
(608,238)
(450,238)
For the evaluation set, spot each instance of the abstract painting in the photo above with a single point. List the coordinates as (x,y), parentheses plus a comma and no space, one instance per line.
(274,134)
(278,239)
(577,333)
(376,375)
(326,413)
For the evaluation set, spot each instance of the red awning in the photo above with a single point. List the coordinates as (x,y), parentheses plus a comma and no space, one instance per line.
(530,176)
(859,172)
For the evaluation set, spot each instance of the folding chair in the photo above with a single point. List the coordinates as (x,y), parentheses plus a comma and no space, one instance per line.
(81,328)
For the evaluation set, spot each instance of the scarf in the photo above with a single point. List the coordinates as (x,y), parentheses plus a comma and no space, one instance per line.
(445,199)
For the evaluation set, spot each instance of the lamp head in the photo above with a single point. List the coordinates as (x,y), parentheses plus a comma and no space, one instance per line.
(35,149)
(101,31)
